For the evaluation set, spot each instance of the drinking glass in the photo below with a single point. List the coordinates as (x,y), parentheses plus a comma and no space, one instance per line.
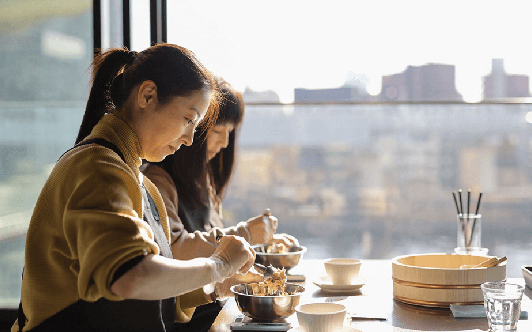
(502,302)
(468,231)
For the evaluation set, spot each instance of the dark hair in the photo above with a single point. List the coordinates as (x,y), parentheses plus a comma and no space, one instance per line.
(175,71)
(231,111)
(189,167)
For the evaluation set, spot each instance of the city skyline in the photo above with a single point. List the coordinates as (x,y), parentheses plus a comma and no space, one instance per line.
(431,82)
(311,45)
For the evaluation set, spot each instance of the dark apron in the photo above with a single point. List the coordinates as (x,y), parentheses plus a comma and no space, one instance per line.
(126,315)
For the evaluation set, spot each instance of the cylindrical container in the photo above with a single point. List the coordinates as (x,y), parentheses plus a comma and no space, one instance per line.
(468,231)
(436,280)
(321,317)
(477,251)
(502,302)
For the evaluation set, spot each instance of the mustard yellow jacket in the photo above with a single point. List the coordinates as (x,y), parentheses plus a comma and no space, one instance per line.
(86,223)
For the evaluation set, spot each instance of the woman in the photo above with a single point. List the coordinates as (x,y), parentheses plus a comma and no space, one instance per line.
(97,250)
(192,182)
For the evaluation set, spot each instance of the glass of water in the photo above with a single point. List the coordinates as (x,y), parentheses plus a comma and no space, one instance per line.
(502,301)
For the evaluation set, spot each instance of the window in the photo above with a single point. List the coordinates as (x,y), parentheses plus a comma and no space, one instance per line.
(45,52)
(363,118)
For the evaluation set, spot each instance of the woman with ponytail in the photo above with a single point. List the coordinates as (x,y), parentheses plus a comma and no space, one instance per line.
(97,254)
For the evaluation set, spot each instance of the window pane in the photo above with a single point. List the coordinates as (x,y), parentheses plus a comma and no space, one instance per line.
(45,52)
(375,181)
(140,24)
(345,170)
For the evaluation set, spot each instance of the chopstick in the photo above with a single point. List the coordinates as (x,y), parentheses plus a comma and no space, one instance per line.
(475,220)
(478,203)
(460,197)
(459,218)
(460,210)
(456,204)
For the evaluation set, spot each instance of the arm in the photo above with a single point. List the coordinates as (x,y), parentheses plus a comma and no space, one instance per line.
(157,277)
(103,231)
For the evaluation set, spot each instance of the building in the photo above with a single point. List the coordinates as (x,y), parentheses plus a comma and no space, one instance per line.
(342,94)
(430,82)
(256,97)
(499,86)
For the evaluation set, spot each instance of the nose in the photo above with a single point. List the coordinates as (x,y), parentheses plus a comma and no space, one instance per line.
(188,136)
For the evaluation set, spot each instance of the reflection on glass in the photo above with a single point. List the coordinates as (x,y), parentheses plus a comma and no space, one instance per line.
(45,52)
(376,181)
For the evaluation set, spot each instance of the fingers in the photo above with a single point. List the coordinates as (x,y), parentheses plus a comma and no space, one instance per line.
(223,289)
(286,239)
(236,253)
(274,222)
(249,263)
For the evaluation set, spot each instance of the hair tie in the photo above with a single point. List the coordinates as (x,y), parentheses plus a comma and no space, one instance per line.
(116,90)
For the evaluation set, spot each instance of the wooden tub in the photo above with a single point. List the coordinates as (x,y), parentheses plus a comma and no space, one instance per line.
(436,280)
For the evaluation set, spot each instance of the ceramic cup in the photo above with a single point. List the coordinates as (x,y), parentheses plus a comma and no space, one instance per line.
(342,271)
(321,317)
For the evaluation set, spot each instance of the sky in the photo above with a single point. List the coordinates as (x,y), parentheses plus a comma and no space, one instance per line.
(281,45)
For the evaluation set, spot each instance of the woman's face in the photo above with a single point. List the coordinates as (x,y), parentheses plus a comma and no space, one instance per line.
(218,138)
(172,124)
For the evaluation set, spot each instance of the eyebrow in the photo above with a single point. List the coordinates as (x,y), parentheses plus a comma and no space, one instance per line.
(195,110)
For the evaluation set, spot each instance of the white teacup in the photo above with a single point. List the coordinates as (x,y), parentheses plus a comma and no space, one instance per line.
(342,271)
(321,317)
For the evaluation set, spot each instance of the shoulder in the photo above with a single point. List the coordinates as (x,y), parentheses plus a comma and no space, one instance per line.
(157,175)
(94,166)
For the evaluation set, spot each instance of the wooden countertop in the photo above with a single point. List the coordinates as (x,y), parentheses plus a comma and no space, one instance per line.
(376,297)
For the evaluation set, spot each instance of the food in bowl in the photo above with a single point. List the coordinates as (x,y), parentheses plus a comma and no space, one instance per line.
(272,286)
(268,254)
(277,248)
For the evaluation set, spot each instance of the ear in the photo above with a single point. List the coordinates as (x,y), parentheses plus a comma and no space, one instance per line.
(147,94)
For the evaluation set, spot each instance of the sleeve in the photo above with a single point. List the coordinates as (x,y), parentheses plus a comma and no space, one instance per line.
(240,229)
(187,303)
(102,224)
(185,245)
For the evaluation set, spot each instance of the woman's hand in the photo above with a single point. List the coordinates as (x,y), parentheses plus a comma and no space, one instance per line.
(262,228)
(233,255)
(223,290)
(285,239)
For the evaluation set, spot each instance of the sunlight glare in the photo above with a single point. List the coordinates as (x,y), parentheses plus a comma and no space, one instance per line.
(528,117)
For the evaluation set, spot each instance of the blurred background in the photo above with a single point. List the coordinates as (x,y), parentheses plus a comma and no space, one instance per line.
(361,117)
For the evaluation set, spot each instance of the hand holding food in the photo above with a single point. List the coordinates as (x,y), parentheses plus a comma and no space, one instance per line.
(232,255)
(223,290)
(285,240)
(262,228)
(271,286)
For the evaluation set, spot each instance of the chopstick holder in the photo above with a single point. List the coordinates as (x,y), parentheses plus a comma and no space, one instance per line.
(475,311)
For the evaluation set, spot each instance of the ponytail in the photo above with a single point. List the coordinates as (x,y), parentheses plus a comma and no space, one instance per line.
(174,70)
(106,68)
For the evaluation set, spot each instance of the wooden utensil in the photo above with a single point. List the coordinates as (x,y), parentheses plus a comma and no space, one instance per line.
(494,261)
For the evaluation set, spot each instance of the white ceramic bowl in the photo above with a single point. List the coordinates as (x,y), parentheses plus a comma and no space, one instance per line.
(527,274)
(342,271)
(321,317)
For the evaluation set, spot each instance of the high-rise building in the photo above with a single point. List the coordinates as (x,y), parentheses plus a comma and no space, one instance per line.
(341,94)
(268,96)
(499,86)
(430,82)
